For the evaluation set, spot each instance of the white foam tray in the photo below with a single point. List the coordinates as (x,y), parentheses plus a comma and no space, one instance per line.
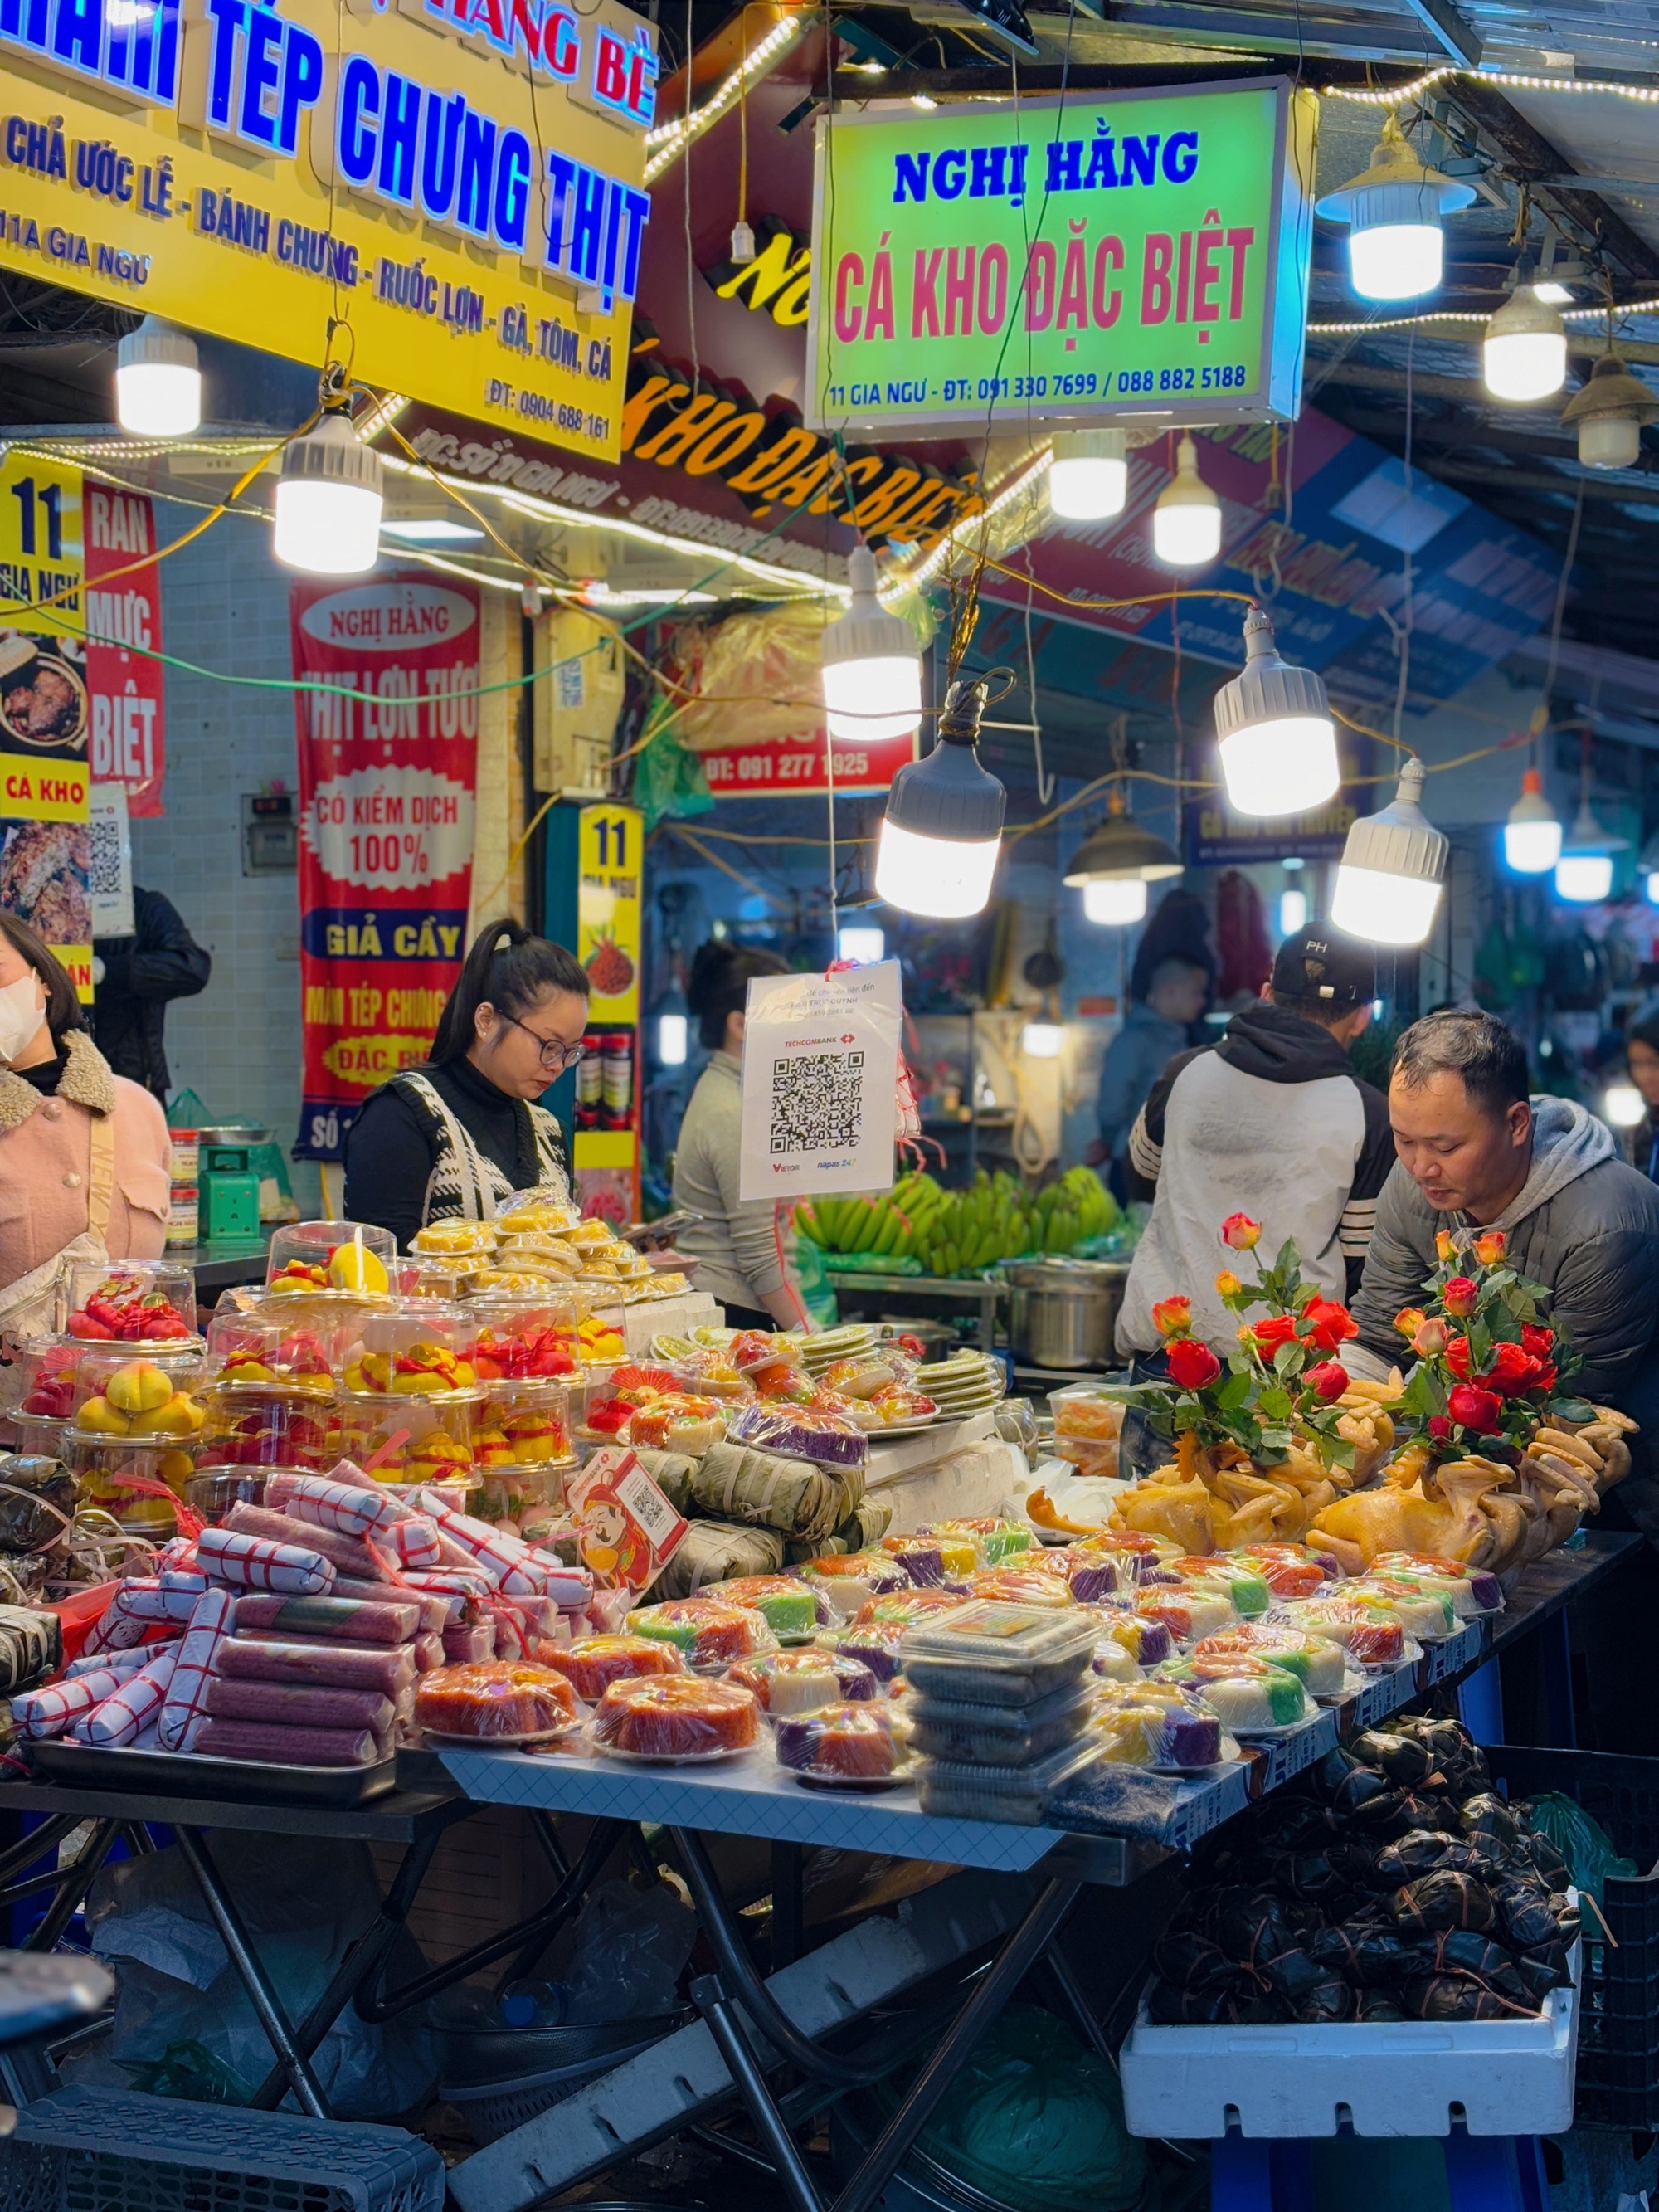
(1512,2077)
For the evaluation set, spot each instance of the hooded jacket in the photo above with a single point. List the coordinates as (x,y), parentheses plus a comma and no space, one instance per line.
(1585,1225)
(1270,1121)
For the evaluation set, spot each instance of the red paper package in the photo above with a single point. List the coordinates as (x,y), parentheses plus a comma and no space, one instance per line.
(627,1528)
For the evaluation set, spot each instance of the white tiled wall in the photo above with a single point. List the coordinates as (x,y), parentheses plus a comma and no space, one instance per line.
(224,606)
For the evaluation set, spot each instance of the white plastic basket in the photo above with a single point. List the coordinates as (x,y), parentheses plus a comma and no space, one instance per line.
(1511,2077)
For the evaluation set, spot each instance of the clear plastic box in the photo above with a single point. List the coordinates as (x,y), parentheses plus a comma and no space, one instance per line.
(999,1735)
(338,1261)
(455,1239)
(513,1493)
(423,1353)
(270,1425)
(954,1790)
(148,1302)
(300,1349)
(1081,1412)
(524,1424)
(212,1491)
(423,1275)
(526,1338)
(99,1462)
(536,1212)
(47,1381)
(985,1653)
(412,1439)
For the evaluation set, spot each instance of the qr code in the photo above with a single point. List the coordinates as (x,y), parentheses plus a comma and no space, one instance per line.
(817,1102)
(104,862)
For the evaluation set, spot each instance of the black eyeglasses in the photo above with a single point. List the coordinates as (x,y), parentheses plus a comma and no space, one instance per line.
(556,1057)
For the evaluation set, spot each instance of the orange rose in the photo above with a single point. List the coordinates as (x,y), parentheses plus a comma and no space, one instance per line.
(1227,1284)
(1172,1316)
(1489,1246)
(1408,1320)
(1444,1245)
(1240,1233)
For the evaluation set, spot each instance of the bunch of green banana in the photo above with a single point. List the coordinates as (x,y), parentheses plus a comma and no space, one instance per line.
(959,1232)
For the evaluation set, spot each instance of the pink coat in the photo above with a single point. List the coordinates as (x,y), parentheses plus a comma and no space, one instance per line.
(45,1150)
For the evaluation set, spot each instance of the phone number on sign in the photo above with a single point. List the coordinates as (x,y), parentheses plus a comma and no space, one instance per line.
(783,767)
(1079,384)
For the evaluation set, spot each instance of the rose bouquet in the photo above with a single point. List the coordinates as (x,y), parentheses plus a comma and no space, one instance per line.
(1489,1368)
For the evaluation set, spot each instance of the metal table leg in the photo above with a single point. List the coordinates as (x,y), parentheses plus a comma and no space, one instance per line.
(75,1881)
(787,1861)
(1555,1657)
(265,2002)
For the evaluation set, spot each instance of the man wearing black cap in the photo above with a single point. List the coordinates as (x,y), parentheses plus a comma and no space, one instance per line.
(1269,1121)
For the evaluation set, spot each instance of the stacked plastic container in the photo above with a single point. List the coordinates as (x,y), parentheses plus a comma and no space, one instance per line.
(997,1703)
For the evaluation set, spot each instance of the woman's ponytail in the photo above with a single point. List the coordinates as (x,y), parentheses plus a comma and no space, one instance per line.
(506,968)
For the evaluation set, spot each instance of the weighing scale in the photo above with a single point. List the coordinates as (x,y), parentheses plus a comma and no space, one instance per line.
(228,1183)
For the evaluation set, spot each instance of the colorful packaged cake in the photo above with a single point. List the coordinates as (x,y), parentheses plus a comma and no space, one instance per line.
(496,1701)
(707,1635)
(677,1719)
(592,1664)
(1155,1724)
(846,1746)
(1246,1695)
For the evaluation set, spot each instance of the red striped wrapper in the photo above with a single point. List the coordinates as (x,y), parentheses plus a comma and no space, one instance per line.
(42,1713)
(338,1506)
(183,1708)
(146,1598)
(118,1663)
(135,1705)
(414,1542)
(256,1563)
(115,1631)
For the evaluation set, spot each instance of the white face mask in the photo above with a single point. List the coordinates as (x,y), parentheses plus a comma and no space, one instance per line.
(20,1010)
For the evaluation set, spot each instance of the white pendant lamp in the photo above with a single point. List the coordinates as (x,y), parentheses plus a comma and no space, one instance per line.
(1608,411)
(329,502)
(1626,1108)
(870,669)
(1116,862)
(1532,835)
(158,381)
(1278,742)
(1115,902)
(1089,475)
(1187,520)
(1583,874)
(1523,356)
(1396,248)
(1389,881)
(942,832)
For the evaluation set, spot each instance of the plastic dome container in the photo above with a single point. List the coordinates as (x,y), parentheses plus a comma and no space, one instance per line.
(344,1261)
(555,1257)
(270,1425)
(47,1381)
(522,1426)
(423,1351)
(411,1440)
(536,1212)
(452,1240)
(108,1472)
(526,1338)
(121,1392)
(601,1338)
(422,1276)
(300,1350)
(212,1491)
(148,1302)
(43,1434)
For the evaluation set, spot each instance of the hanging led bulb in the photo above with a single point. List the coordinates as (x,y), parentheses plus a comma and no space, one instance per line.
(871,672)
(1532,835)
(1608,410)
(1583,874)
(1523,356)
(942,832)
(1278,742)
(1648,868)
(1089,475)
(1187,520)
(1116,862)
(743,243)
(1626,1107)
(1387,884)
(329,501)
(158,381)
(1396,248)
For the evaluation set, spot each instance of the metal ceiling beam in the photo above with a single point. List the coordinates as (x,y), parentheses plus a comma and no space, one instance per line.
(1451,30)
(1531,159)
(1543,480)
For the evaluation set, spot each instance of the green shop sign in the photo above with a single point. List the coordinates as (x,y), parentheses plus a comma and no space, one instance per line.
(1135,255)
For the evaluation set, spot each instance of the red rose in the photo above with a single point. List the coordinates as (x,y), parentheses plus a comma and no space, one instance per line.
(1191,1363)
(1457,1357)
(1440,1428)
(1537,1340)
(1329,1379)
(1459,1297)
(1269,1335)
(1472,1407)
(1241,1233)
(1327,1324)
(1513,1371)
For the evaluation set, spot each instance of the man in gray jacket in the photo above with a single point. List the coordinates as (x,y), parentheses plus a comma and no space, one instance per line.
(1476,1153)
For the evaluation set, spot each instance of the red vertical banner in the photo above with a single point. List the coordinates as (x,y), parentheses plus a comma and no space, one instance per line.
(123,634)
(387,778)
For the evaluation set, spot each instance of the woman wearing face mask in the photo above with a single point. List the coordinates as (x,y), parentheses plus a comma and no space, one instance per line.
(85,1157)
(450,1141)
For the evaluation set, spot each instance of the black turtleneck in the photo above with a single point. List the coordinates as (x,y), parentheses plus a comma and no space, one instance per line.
(46,1074)
(391,1151)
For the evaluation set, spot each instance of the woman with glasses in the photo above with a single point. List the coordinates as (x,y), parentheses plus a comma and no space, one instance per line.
(448,1141)
(738,1245)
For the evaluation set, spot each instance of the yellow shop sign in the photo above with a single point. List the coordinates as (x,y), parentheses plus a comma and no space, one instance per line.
(460,181)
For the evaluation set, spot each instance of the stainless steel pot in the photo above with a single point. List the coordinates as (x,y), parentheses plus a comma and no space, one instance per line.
(1062,1312)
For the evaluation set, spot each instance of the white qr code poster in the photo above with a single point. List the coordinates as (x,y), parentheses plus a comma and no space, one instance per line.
(110,870)
(820,1070)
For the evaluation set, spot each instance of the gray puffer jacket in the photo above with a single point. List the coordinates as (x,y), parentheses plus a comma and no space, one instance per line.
(1586,1226)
